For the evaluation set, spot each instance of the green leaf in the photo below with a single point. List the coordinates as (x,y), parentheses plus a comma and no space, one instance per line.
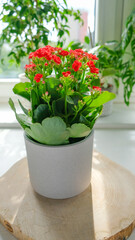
(108,72)
(41,112)
(126,37)
(52,131)
(20,89)
(69,100)
(133,47)
(23,120)
(23,108)
(86,39)
(34,100)
(102,99)
(78,130)
(58,107)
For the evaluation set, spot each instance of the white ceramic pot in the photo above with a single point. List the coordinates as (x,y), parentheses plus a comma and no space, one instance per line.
(60,171)
(107,109)
(23,78)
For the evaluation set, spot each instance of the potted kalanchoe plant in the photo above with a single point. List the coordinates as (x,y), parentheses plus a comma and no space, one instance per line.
(59,126)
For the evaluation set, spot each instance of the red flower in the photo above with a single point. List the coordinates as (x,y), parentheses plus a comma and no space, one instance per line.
(94,70)
(66,74)
(97,88)
(46,64)
(64,53)
(32,54)
(56,59)
(58,48)
(76,65)
(29,66)
(44,52)
(94,57)
(50,48)
(91,64)
(37,77)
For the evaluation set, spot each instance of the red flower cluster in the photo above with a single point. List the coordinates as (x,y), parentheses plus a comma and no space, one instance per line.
(66,74)
(56,59)
(97,88)
(38,77)
(76,65)
(64,53)
(94,57)
(30,66)
(92,67)
(70,62)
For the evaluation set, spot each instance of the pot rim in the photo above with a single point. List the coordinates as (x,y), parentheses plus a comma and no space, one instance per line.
(58,146)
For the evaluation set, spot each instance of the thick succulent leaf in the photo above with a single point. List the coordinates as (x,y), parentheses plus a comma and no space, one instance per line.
(52,131)
(78,130)
(102,99)
(34,99)
(23,120)
(23,108)
(52,84)
(41,112)
(69,100)
(20,89)
(58,107)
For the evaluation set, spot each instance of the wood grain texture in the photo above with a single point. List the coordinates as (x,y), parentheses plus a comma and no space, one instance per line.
(105,211)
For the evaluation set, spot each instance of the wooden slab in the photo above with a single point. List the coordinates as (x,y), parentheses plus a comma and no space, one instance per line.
(106,210)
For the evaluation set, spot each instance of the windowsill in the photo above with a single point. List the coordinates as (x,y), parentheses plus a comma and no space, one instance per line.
(9,80)
(122,117)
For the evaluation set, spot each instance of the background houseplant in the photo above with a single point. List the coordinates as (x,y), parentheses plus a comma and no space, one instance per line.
(117,59)
(26,24)
(64,107)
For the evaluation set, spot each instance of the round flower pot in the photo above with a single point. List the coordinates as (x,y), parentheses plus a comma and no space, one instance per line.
(60,171)
(107,107)
(23,78)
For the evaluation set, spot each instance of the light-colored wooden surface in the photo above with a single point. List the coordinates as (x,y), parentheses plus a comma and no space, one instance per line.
(106,210)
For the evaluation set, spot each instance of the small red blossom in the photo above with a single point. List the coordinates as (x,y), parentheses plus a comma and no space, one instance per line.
(56,59)
(29,66)
(66,74)
(38,77)
(64,53)
(94,57)
(32,54)
(46,64)
(94,70)
(44,52)
(76,65)
(90,64)
(58,49)
(97,88)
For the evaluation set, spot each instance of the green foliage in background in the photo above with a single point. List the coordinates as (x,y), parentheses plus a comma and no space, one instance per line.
(26,24)
(116,61)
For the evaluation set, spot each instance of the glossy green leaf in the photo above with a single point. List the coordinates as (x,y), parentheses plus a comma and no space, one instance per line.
(52,131)
(34,100)
(23,108)
(41,112)
(23,120)
(102,99)
(21,90)
(69,100)
(86,39)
